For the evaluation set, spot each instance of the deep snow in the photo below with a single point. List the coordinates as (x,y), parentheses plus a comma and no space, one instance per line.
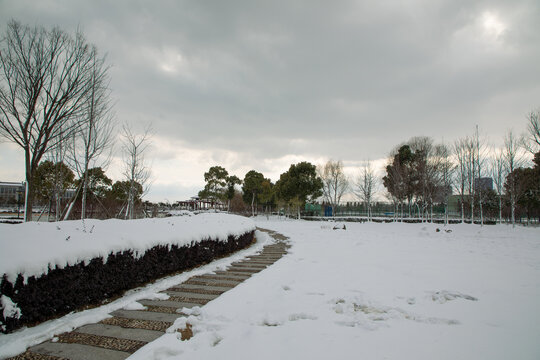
(373,291)
(32,248)
(377,291)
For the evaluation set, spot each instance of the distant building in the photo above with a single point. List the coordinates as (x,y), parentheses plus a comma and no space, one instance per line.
(11,193)
(483,184)
(196,203)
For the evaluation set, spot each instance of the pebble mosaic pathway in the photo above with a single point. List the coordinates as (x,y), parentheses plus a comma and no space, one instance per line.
(127,331)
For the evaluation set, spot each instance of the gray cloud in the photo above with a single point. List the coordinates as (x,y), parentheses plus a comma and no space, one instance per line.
(346,79)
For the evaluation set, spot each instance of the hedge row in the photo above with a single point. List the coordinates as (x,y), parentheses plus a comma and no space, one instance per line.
(61,291)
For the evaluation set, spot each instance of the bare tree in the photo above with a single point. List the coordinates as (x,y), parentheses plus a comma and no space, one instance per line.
(366,187)
(136,170)
(513,159)
(45,78)
(91,146)
(58,156)
(480,152)
(461,174)
(335,183)
(498,174)
(444,170)
(532,144)
(470,166)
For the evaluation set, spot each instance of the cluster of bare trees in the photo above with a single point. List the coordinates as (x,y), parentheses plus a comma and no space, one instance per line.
(55,103)
(420,174)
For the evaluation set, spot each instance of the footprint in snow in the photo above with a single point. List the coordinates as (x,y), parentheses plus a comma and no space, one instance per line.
(301,316)
(443,296)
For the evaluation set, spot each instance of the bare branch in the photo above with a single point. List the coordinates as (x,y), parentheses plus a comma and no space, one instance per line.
(46,79)
(136,170)
(335,183)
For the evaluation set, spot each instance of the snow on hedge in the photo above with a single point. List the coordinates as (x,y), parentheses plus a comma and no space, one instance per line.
(30,249)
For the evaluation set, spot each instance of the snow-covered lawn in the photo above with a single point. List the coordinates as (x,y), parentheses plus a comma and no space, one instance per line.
(377,291)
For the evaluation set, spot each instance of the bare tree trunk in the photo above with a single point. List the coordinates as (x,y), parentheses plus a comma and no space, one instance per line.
(29,195)
(252,204)
(500,209)
(136,172)
(513,160)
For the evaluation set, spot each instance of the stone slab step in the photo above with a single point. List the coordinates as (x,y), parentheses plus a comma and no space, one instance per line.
(204,287)
(244,269)
(205,278)
(197,289)
(225,277)
(256,262)
(268,262)
(146,315)
(105,342)
(28,355)
(215,283)
(78,351)
(189,299)
(191,294)
(258,257)
(240,275)
(266,257)
(255,265)
(272,259)
(120,332)
(126,323)
(155,304)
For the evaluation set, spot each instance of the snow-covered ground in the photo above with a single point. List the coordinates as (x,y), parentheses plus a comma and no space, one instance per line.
(32,248)
(372,291)
(377,291)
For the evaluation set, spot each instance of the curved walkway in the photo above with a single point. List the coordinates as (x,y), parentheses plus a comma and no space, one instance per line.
(126,331)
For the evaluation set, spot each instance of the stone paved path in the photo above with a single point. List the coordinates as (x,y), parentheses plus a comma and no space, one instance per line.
(128,330)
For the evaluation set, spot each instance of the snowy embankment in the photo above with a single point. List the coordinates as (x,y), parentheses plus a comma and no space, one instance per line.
(75,263)
(30,249)
(377,291)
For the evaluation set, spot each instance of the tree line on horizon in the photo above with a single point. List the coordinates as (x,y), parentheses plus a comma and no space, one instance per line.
(419,176)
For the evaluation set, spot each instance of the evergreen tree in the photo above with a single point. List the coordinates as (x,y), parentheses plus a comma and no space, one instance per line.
(252,188)
(216,184)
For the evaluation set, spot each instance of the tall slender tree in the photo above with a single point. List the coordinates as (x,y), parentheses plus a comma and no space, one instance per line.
(45,84)
(136,169)
(92,145)
(252,187)
(366,187)
(335,182)
(231,182)
(499,175)
(461,173)
(513,159)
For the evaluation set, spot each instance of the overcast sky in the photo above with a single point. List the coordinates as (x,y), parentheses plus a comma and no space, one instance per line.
(260,85)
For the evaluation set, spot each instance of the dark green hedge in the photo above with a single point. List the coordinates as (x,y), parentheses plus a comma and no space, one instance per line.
(61,291)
